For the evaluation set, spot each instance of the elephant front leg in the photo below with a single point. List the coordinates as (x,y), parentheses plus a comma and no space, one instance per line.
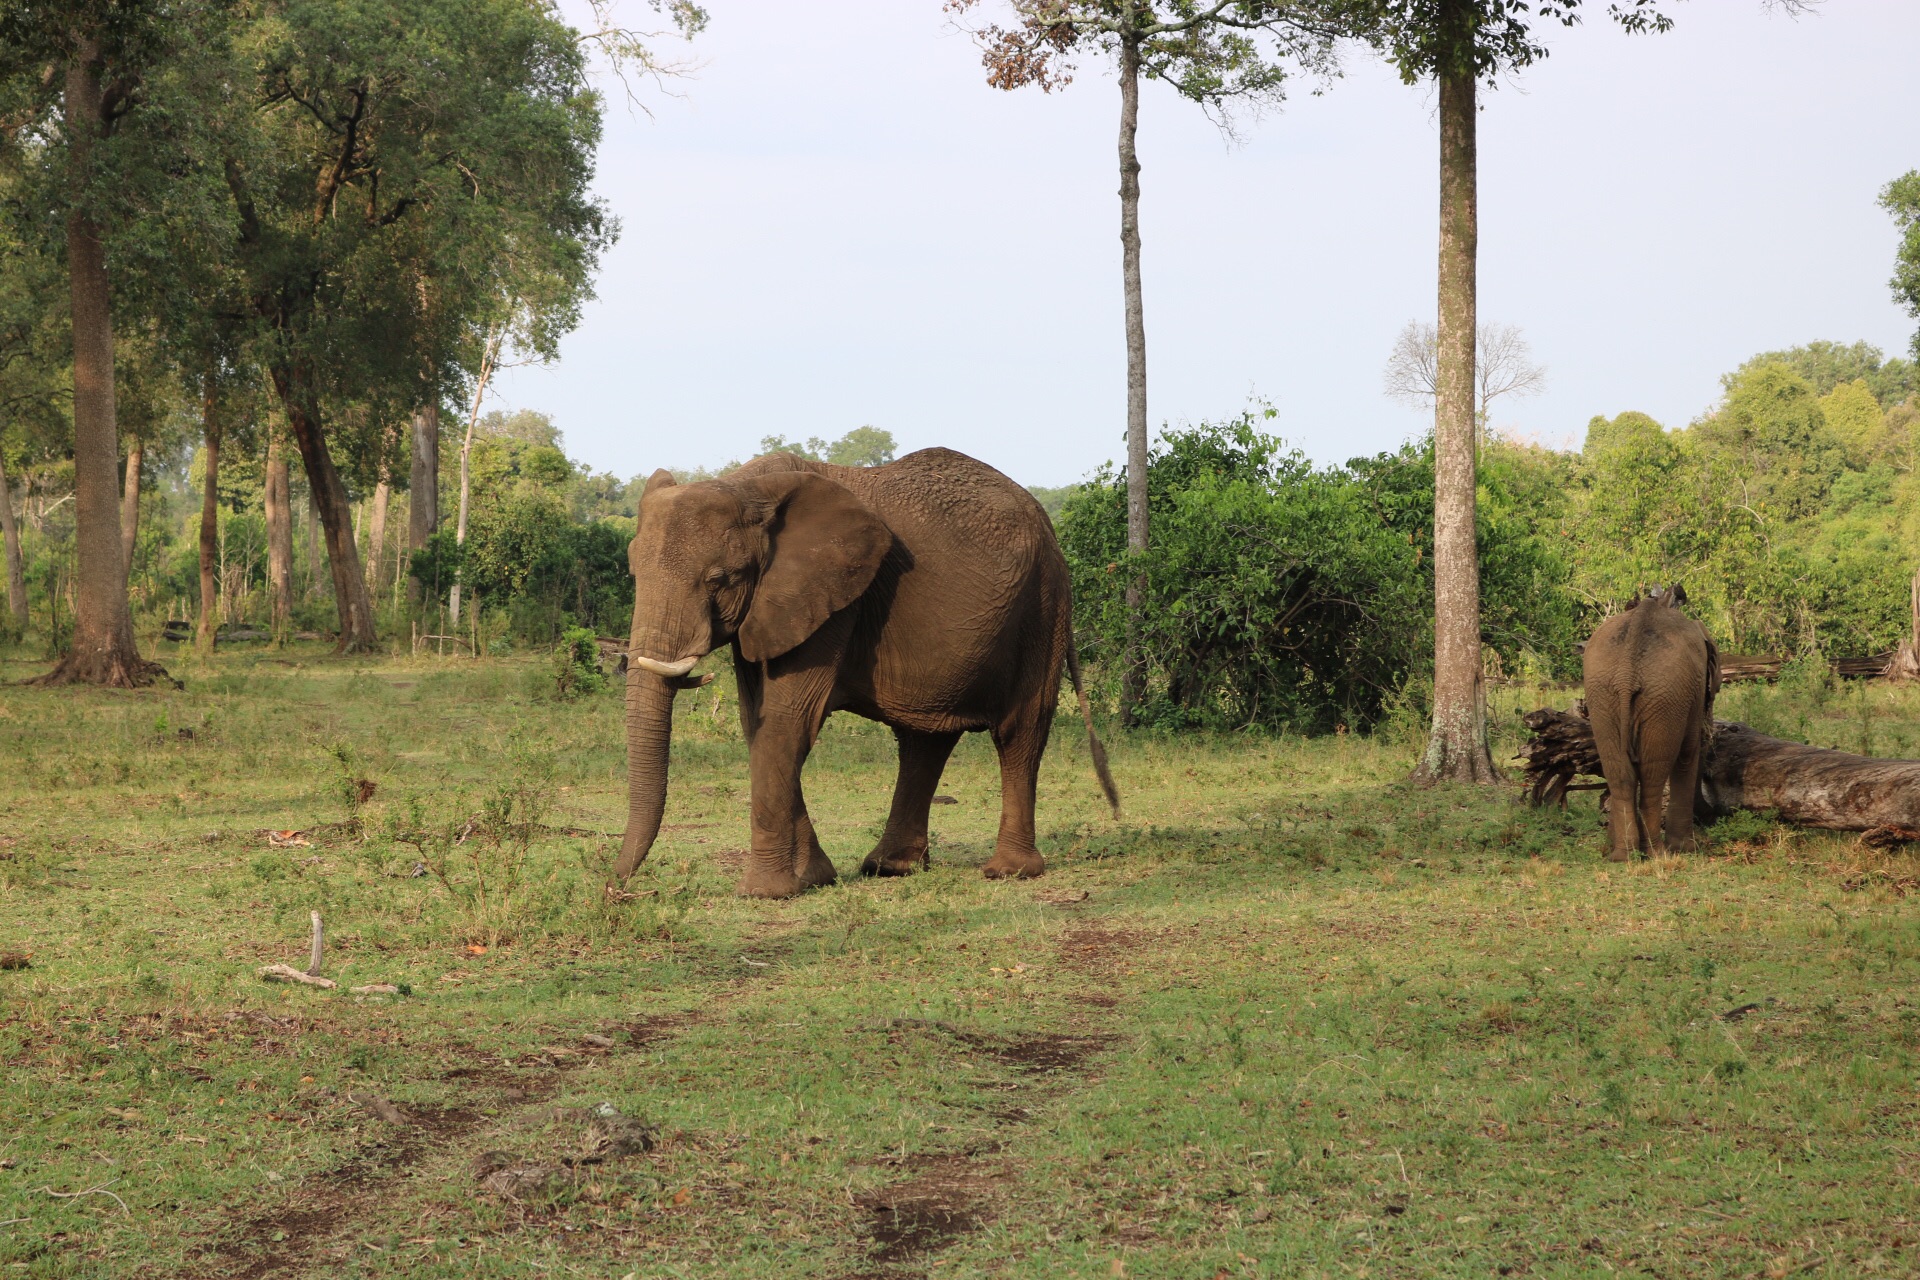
(902,849)
(782,709)
(785,857)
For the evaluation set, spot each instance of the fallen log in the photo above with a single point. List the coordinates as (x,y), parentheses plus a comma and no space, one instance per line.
(1746,769)
(1808,786)
(1735,667)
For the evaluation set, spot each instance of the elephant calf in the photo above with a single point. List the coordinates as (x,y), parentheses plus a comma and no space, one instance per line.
(928,594)
(1651,674)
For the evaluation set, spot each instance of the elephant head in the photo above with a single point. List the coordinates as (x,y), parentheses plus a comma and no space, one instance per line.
(759,560)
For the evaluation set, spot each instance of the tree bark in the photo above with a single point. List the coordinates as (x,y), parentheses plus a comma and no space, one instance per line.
(16,564)
(130,506)
(335,513)
(313,545)
(423,491)
(1457,748)
(279,504)
(102,651)
(1133,682)
(209,519)
(466,452)
(377,532)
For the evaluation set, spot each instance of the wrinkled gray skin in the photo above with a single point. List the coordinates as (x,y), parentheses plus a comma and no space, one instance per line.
(1651,674)
(928,594)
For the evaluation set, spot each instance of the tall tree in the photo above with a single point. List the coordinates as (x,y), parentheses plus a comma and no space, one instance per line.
(279,511)
(1457,44)
(1901,198)
(96,53)
(459,127)
(1211,52)
(209,511)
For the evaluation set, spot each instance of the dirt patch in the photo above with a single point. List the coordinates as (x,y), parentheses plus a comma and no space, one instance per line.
(325,1204)
(642,1032)
(1033,1052)
(1093,1000)
(946,1198)
(1046,1052)
(1093,949)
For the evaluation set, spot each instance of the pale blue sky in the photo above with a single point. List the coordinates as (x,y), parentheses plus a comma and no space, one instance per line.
(840,223)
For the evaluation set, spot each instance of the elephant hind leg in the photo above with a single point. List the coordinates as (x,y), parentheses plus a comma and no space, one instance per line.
(902,849)
(1681,794)
(1658,760)
(1015,856)
(1623,777)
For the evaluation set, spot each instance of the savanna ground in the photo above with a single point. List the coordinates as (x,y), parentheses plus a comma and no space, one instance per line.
(1287,1018)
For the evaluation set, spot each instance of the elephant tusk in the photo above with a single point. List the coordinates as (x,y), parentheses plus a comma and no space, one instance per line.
(671,670)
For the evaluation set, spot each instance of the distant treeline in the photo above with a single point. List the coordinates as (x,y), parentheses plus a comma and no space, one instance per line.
(1289,596)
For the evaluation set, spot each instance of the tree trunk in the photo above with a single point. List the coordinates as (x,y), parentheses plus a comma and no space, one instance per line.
(313,545)
(103,651)
(423,492)
(1457,750)
(466,451)
(335,512)
(16,564)
(279,504)
(209,519)
(377,532)
(1133,680)
(130,506)
(1904,663)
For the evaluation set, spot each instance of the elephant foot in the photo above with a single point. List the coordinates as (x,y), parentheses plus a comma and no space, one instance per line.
(771,884)
(816,871)
(1616,855)
(895,861)
(1007,864)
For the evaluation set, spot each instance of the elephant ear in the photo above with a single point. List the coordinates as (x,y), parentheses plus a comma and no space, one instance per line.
(824,546)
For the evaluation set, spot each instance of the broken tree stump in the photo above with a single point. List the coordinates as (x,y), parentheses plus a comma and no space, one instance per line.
(1746,769)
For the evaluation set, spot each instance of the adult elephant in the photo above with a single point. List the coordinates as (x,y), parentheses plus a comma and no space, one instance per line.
(1651,674)
(928,594)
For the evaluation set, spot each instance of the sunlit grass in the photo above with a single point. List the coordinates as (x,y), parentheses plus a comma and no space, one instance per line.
(1288,1018)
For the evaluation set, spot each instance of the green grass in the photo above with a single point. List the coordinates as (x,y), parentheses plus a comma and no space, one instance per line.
(1288,1018)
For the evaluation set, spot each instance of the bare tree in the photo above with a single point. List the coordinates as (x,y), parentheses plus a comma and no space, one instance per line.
(1503,365)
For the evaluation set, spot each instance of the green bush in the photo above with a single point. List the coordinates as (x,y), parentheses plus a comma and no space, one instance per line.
(1288,597)
(576,665)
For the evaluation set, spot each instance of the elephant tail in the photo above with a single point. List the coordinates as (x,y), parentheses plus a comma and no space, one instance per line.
(1094,748)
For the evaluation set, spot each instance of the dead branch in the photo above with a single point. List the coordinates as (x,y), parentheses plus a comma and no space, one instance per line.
(287,973)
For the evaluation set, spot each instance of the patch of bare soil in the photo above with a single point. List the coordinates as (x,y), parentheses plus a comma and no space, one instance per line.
(1094,949)
(651,1030)
(1033,1052)
(324,1206)
(947,1197)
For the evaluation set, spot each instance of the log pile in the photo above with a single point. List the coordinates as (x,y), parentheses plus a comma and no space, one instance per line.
(1560,750)
(1745,769)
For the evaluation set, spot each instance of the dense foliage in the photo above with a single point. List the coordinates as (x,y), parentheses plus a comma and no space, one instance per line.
(1286,596)
(1282,595)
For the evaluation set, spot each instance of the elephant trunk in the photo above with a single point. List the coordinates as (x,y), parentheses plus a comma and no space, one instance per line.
(649,737)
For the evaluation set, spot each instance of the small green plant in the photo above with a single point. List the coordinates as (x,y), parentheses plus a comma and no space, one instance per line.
(346,783)
(576,665)
(482,860)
